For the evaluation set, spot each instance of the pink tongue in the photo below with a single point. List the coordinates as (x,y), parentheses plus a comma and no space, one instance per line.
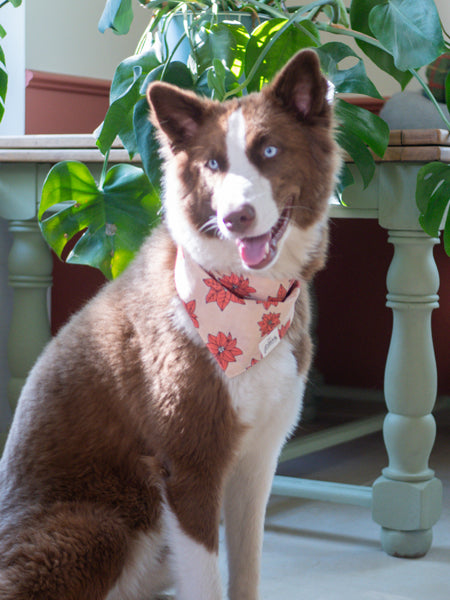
(253,250)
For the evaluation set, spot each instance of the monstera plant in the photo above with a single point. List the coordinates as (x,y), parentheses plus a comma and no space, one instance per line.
(228,56)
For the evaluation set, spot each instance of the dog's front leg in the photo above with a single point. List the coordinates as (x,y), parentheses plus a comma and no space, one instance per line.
(192,524)
(246,496)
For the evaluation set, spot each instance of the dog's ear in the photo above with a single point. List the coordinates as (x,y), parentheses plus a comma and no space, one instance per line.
(301,87)
(178,113)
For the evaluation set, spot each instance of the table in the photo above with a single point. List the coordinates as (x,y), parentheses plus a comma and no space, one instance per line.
(406,499)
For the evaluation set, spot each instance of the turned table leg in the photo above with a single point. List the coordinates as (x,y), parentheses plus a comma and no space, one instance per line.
(30,276)
(407,498)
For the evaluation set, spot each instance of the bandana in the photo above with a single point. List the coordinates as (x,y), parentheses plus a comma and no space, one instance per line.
(240,319)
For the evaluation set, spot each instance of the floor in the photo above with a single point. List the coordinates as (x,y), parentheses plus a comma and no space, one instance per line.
(323,551)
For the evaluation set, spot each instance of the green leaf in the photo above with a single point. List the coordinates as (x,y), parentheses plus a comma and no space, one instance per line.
(113,220)
(174,72)
(351,80)
(220,80)
(16,3)
(216,79)
(118,119)
(358,151)
(225,41)
(2,32)
(369,128)
(301,35)
(145,135)
(148,145)
(359,17)
(336,12)
(125,92)
(345,179)
(117,15)
(433,198)
(410,30)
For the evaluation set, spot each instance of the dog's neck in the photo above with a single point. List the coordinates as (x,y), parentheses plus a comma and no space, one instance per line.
(240,318)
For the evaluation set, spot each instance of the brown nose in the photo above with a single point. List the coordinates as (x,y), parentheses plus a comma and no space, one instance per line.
(238,221)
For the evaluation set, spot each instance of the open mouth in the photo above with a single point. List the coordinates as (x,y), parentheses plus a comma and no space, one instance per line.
(258,252)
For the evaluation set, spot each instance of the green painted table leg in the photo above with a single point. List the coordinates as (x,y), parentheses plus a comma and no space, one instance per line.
(407,498)
(30,276)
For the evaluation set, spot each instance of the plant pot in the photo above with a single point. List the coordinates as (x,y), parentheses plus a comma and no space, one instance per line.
(172,29)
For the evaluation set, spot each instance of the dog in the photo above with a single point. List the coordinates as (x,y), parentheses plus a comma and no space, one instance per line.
(167,399)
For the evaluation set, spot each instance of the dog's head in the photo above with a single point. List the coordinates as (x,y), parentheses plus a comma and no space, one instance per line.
(247,182)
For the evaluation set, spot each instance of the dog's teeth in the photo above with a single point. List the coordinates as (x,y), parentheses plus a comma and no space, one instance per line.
(267,248)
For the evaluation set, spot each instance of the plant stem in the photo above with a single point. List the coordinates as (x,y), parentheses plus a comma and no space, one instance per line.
(104,169)
(341,30)
(427,91)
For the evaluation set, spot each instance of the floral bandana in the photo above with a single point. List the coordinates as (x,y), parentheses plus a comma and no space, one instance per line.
(239,319)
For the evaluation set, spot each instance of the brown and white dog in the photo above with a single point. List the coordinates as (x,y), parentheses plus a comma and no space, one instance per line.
(130,437)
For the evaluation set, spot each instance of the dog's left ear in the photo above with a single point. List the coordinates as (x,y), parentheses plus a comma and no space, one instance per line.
(301,87)
(178,113)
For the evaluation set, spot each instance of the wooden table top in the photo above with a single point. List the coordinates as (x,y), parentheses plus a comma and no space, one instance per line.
(409,145)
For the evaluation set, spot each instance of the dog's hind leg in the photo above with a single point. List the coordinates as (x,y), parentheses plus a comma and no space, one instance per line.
(70,551)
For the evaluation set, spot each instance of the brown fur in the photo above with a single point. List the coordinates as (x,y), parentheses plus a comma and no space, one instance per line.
(107,410)
(123,407)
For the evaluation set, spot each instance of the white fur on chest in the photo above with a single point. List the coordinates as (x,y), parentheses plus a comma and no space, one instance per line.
(266,388)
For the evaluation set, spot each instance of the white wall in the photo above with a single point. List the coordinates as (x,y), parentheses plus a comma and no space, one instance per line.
(62,37)
(13,21)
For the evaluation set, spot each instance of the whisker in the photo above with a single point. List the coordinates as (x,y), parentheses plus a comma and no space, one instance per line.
(210,225)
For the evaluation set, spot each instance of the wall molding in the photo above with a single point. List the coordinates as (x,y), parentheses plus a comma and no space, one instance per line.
(372,104)
(71,84)
(53,101)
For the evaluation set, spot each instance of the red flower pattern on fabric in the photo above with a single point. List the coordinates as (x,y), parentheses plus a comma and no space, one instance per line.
(238,286)
(229,288)
(273,301)
(268,323)
(190,308)
(223,348)
(284,329)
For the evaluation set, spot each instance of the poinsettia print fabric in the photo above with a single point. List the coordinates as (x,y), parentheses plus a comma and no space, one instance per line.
(240,318)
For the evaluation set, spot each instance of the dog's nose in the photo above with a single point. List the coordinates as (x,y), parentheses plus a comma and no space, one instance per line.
(238,221)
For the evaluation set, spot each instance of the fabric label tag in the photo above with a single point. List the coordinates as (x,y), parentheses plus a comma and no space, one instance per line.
(269,342)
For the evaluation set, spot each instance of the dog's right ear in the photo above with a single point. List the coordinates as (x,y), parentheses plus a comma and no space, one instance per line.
(176,112)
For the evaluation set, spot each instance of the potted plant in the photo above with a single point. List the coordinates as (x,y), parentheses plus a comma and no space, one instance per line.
(227,58)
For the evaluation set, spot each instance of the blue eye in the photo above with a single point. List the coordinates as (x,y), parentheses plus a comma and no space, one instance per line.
(270,151)
(213,164)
